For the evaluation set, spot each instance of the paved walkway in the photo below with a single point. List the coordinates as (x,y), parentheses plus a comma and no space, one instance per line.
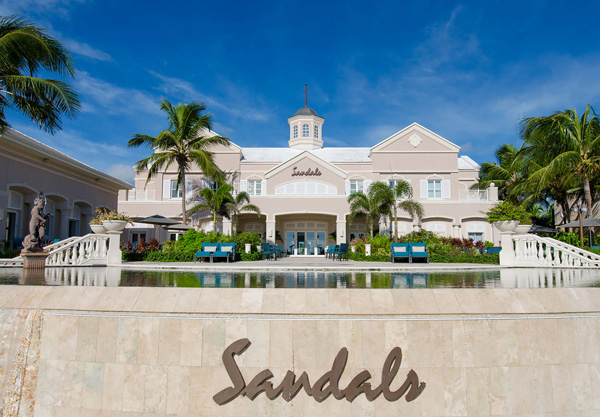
(307,263)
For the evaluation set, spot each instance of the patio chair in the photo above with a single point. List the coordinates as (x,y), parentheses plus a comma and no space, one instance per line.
(268,250)
(330,251)
(492,250)
(400,251)
(225,250)
(341,251)
(418,250)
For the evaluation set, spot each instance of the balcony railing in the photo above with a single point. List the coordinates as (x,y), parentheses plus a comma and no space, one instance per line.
(141,195)
(473,195)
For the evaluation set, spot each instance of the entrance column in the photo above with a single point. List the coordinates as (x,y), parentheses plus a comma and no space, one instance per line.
(227,226)
(270,229)
(64,223)
(456,231)
(340,231)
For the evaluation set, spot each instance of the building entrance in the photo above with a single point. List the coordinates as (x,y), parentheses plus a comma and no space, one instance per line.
(306,242)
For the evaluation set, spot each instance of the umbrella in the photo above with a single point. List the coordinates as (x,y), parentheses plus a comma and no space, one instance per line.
(589,222)
(157,220)
(542,229)
(177,226)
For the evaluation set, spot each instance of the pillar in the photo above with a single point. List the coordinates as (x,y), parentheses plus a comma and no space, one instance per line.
(507,254)
(456,231)
(114,248)
(64,223)
(270,233)
(227,226)
(340,231)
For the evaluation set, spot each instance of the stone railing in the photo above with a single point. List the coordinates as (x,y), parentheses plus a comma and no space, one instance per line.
(88,249)
(473,195)
(532,250)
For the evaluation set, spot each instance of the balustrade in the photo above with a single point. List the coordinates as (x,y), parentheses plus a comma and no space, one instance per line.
(532,250)
(92,248)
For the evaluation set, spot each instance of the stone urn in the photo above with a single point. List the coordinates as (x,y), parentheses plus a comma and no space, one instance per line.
(114,225)
(98,229)
(522,229)
(507,225)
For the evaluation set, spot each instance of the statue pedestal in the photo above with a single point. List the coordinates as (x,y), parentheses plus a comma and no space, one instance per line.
(34,260)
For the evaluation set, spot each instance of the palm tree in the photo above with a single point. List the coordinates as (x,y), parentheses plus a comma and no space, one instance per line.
(568,146)
(372,205)
(239,203)
(214,201)
(24,51)
(182,144)
(403,190)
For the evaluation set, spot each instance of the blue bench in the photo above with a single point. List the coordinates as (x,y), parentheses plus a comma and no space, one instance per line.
(216,250)
(492,250)
(400,251)
(418,250)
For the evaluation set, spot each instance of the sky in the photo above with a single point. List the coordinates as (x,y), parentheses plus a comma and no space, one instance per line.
(469,71)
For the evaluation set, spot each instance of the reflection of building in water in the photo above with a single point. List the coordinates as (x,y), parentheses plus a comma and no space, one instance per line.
(548,278)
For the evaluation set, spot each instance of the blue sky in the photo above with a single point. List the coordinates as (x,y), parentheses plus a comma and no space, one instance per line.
(469,71)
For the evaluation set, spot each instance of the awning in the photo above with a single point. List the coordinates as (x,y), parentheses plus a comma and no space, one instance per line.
(589,222)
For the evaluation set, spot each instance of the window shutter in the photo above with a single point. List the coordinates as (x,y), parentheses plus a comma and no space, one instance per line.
(243,186)
(446,189)
(424,189)
(347,187)
(366,185)
(263,187)
(189,189)
(166,189)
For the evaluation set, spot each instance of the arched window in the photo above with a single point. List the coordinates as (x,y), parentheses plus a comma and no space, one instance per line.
(316,131)
(305,131)
(295,132)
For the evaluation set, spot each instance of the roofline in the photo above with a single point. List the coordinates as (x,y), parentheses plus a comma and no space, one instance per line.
(21,139)
(422,127)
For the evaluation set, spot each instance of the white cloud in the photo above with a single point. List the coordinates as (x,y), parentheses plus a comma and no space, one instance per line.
(122,171)
(37,7)
(86,50)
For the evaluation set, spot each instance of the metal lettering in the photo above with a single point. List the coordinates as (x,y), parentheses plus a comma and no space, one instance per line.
(309,172)
(326,385)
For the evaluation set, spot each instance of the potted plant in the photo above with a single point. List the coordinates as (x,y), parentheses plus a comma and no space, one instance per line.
(96,222)
(115,222)
(507,217)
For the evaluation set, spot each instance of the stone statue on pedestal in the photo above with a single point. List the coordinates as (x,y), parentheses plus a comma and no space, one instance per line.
(33,241)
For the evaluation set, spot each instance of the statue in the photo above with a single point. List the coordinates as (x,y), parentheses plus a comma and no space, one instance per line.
(33,241)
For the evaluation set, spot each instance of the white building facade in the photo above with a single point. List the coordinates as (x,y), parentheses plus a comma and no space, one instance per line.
(302,190)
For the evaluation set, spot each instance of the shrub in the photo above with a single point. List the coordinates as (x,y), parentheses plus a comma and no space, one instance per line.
(505,210)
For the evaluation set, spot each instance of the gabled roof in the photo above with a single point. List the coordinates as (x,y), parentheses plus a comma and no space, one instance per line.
(417,128)
(305,155)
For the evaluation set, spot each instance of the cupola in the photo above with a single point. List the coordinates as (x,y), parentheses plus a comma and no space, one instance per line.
(306,128)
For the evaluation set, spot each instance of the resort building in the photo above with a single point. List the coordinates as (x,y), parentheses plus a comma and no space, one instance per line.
(73,190)
(302,190)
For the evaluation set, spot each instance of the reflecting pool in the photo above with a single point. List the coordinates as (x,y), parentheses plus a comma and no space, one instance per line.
(489,278)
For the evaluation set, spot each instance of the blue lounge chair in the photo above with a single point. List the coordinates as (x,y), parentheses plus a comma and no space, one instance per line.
(330,251)
(341,251)
(418,250)
(207,251)
(400,251)
(225,250)
(268,250)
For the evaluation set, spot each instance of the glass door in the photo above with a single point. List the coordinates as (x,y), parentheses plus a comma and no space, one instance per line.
(310,243)
(300,242)
(321,243)
(290,242)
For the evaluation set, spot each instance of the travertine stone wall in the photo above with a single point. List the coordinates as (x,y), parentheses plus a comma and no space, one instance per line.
(541,358)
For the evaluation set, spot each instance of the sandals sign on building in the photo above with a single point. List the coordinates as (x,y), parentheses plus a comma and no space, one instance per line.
(326,385)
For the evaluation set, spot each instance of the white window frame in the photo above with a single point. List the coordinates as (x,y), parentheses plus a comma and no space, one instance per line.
(176,192)
(356,186)
(472,235)
(254,187)
(434,189)
(305,130)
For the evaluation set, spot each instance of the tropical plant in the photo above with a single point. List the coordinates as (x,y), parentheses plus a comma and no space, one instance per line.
(214,201)
(505,210)
(401,197)
(566,146)
(25,50)
(239,203)
(371,205)
(182,144)
(508,174)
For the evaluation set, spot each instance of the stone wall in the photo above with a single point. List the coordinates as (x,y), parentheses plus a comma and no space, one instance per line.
(152,351)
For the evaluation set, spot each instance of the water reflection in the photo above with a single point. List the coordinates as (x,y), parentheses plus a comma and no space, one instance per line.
(115,276)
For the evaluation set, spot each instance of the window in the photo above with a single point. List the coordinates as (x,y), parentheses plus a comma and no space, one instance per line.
(295,132)
(255,187)
(138,236)
(211,184)
(434,189)
(316,131)
(305,131)
(356,186)
(175,189)
(476,236)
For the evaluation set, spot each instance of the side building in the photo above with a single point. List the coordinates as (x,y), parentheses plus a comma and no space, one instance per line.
(73,189)
(302,189)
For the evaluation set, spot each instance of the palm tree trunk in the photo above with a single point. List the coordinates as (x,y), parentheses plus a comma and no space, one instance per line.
(395,224)
(215,221)
(587,193)
(184,216)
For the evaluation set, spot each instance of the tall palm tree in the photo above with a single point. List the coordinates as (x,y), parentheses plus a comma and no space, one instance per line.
(239,203)
(401,195)
(567,144)
(214,201)
(24,51)
(372,205)
(182,144)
